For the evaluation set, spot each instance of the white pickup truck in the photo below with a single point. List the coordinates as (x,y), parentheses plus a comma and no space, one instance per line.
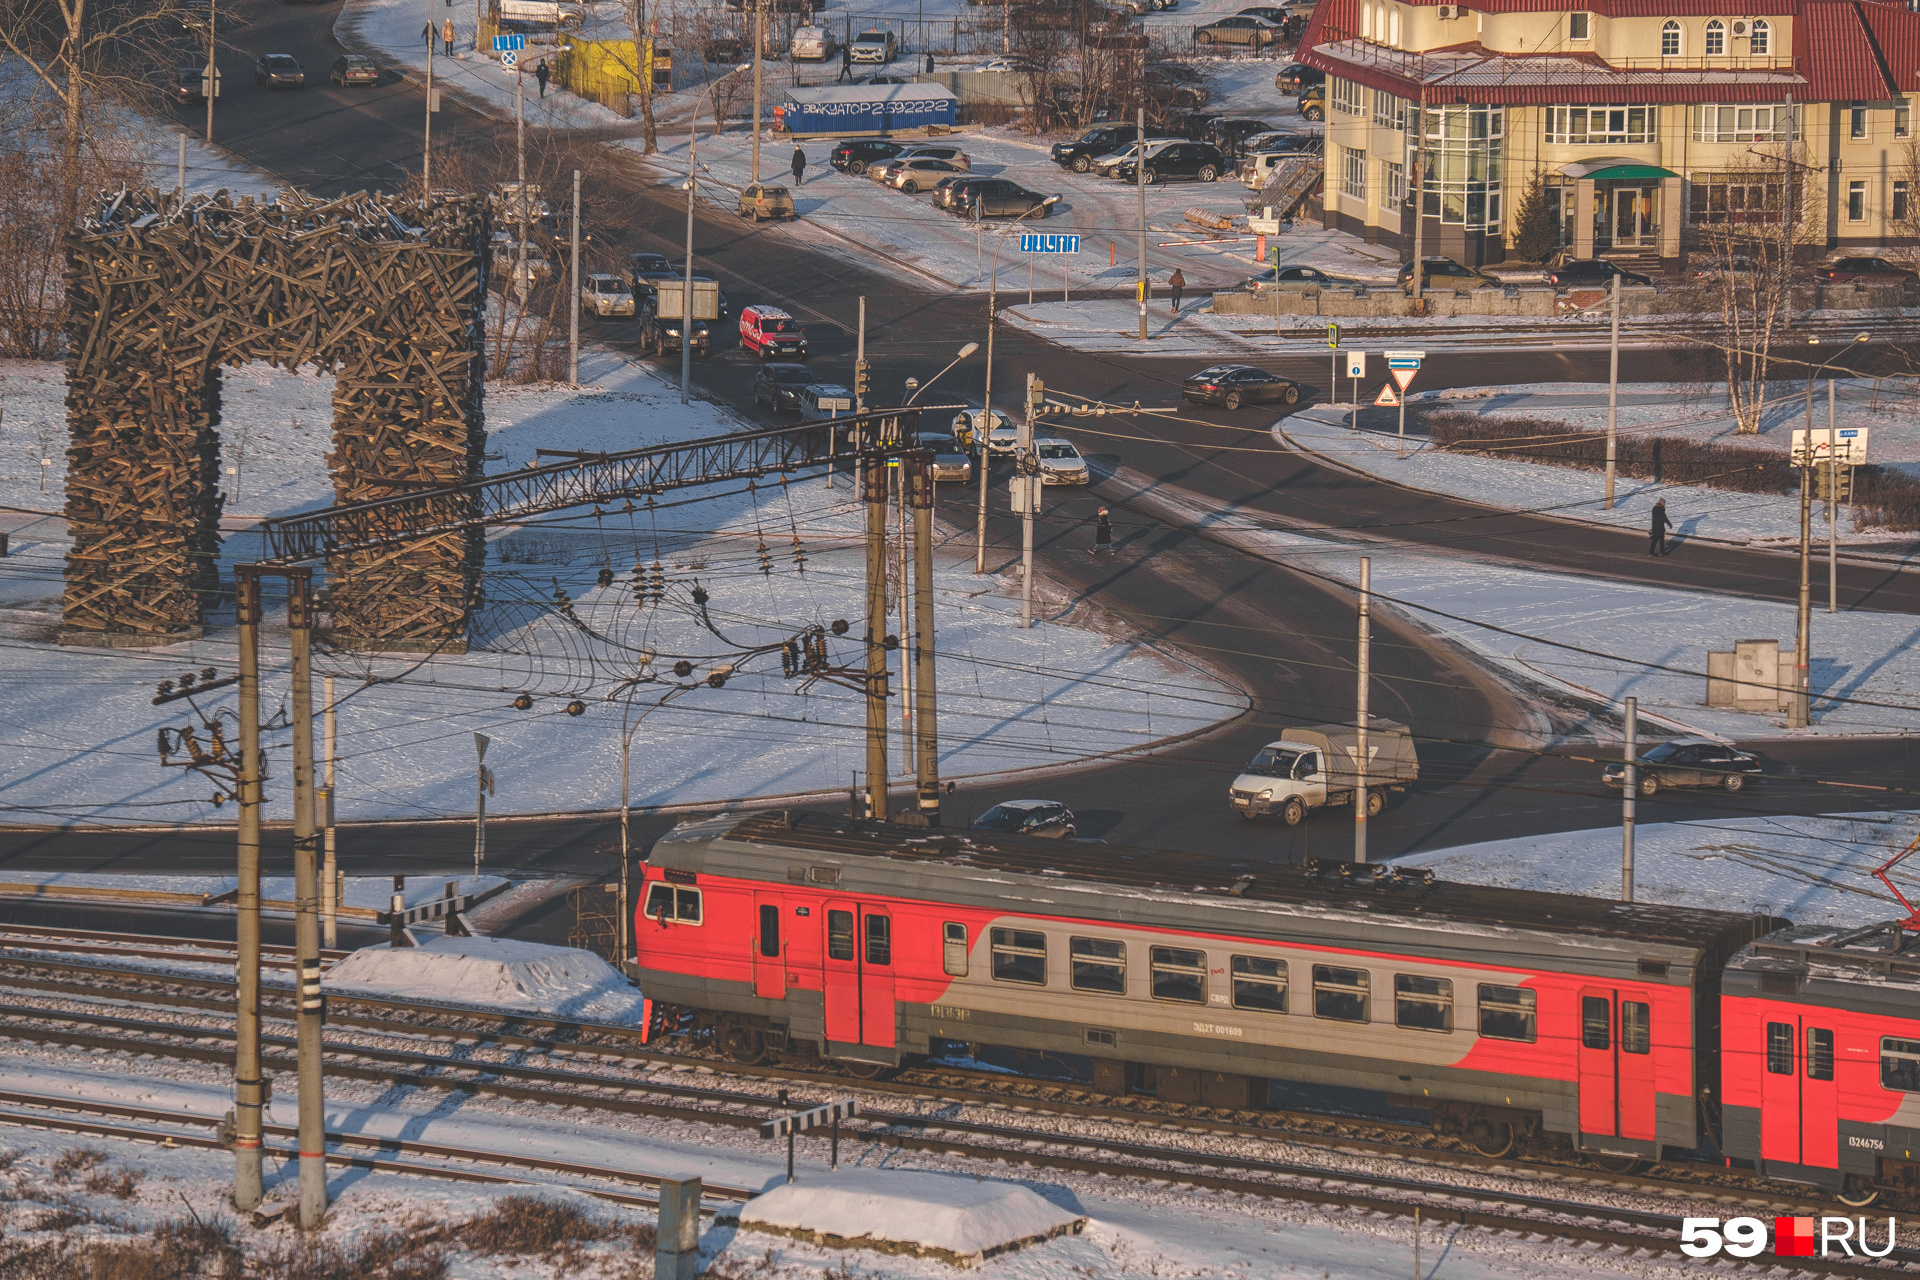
(1313,767)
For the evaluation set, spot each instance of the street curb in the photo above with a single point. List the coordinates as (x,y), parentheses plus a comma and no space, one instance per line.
(1280,434)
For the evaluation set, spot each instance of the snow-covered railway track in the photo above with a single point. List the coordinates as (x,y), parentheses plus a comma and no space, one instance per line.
(49,940)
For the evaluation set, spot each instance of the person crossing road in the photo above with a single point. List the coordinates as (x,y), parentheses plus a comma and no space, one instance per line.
(1657,543)
(799,165)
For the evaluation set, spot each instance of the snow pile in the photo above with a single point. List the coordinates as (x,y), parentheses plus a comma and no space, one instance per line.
(955,1219)
(496,973)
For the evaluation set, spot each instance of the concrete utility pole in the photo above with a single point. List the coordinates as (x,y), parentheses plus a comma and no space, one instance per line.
(210,83)
(306,900)
(1416,188)
(873,480)
(523,206)
(986,420)
(330,872)
(181,188)
(759,43)
(248,1097)
(1833,502)
(1613,381)
(573,311)
(926,731)
(903,601)
(1800,711)
(426,136)
(1140,179)
(1364,664)
(480,779)
(1629,789)
(1027,474)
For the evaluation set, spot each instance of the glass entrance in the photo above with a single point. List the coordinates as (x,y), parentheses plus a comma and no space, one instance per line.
(1623,218)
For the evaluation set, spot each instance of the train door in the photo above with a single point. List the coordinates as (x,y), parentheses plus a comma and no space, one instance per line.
(1799,1108)
(841,973)
(876,979)
(859,976)
(769,947)
(1616,1065)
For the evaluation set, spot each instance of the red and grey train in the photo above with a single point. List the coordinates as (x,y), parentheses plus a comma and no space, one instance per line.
(1630,1031)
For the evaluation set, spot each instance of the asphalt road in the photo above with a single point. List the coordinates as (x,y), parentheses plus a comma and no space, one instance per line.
(1283,638)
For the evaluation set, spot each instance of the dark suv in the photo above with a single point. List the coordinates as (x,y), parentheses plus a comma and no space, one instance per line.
(1199,161)
(1228,132)
(1078,155)
(1863,271)
(778,386)
(1297,78)
(1591,271)
(856,154)
(1447,272)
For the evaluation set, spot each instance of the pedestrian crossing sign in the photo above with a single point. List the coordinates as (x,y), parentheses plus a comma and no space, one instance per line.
(1388,397)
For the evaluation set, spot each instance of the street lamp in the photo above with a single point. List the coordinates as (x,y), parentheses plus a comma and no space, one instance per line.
(1800,715)
(965,351)
(986,405)
(686,295)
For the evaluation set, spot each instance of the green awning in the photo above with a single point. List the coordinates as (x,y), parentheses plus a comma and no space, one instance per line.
(1612,170)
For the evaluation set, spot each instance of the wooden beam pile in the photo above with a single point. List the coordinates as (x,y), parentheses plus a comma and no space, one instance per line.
(388,295)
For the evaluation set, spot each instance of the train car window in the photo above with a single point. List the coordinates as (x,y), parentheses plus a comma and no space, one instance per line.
(660,902)
(839,935)
(953,957)
(1099,964)
(1636,1027)
(1020,955)
(1596,1022)
(770,930)
(1260,983)
(1780,1048)
(1900,1064)
(1422,1003)
(1508,1013)
(669,902)
(1178,974)
(1340,994)
(1819,1053)
(879,939)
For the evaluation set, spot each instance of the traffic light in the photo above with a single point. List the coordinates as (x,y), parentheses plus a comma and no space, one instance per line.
(1036,394)
(862,380)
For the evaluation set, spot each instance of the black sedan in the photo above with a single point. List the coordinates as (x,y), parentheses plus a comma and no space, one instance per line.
(1199,161)
(1047,818)
(1447,272)
(1687,762)
(1298,78)
(1591,271)
(1245,29)
(1233,385)
(1300,278)
(1105,139)
(280,71)
(999,198)
(778,386)
(854,155)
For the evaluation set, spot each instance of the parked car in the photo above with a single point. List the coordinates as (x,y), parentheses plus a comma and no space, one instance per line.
(884,78)
(1108,166)
(1047,818)
(779,386)
(937,151)
(917,174)
(1589,271)
(1228,132)
(1244,29)
(1686,762)
(1297,78)
(1312,104)
(874,46)
(279,71)
(854,155)
(762,201)
(950,192)
(1233,385)
(1080,154)
(1284,140)
(769,332)
(606,295)
(354,68)
(1060,462)
(1447,272)
(1297,277)
(1278,17)
(1735,265)
(1196,161)
(1863,271)
(1002,198)
(970,424)
(813,44)
(1005,63)
(188,86)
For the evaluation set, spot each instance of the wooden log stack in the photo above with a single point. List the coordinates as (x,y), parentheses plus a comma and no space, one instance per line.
(387,294)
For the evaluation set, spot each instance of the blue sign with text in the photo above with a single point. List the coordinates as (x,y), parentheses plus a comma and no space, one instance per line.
(509,44)
(1035,243)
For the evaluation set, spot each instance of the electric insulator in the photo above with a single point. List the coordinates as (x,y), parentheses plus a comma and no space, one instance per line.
(606,577)
(700,595)
(891,642)
(576,708)
(523,703)
(839,627)
(208,673)
(683,668)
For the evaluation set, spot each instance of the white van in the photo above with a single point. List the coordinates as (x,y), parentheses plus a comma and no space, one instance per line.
(813,44)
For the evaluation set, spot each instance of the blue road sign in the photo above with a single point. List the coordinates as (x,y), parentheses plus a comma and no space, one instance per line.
(1401,362)
(509,44)
(1035,243)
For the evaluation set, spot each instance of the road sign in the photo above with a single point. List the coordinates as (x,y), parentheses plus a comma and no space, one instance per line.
(1415,356)
(1356,364)
(1033,242)
(509,44)
(1333,335)
(509,59)
(1401,375)
(1849,447)
(1386,399)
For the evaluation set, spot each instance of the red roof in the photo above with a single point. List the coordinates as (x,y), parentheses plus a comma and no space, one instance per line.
(1831,44)
(1896,36)
(1642,8)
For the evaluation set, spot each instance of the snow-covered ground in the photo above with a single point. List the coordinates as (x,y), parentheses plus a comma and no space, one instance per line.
(81,731)
(496,974)
(1567,493)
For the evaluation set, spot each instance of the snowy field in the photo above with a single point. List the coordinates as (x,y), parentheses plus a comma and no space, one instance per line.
(773,559)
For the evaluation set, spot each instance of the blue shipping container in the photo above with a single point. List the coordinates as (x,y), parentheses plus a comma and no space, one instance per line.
(865,108)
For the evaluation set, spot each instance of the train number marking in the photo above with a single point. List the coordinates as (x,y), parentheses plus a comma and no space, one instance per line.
(1869,1144)
(948,1012)
(1218,1029)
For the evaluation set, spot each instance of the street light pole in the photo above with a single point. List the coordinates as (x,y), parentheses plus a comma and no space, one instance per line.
(693,168)
(1800,712)
(1140,178)
(759,41)
(1613,382)
(986,424)
(573,311)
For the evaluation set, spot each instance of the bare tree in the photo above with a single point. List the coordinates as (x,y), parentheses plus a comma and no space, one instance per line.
(642,41)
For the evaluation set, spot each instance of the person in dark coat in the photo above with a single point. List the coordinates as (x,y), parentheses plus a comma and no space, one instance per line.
(1102,533)
(1657,546)
(799,164)
(846,61)
(541,74)
(1176,282)
(929,63)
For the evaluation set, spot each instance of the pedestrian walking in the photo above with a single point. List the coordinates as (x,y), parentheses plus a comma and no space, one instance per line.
(799,164)
(541,74)
(446,35)
(1102,533)
(846,61)
(1657,545)
(1176,282)
(427,33)
(929,62)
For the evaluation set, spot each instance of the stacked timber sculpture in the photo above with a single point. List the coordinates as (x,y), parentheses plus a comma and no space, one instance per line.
(387,294)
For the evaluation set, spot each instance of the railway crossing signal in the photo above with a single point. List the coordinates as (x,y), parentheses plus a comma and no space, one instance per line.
(788,1125)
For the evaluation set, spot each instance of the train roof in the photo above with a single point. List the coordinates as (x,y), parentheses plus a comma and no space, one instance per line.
(1120,882)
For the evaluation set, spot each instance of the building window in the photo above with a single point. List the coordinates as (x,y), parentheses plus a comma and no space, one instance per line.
(1714,198)
(1601,126)
(1340,994)
(1389,110)
(1423,1003)
(1716,38)
(666,902)
(1019,955)
(1353,180)
(1260,983)
(1099,964)
(1508,1013)
(1465,147)
(1856,202)
(1670,39)
(1899,211)
(1857,122)
(1902,119)
(1713,123)
(1579,26)
(1344,94)
(1366,22)
(1178,974)
(1393,28)
(1393,185)
(1759,41)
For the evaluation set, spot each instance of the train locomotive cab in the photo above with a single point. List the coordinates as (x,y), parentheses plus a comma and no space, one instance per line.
(1820,1059)
(1509,1017)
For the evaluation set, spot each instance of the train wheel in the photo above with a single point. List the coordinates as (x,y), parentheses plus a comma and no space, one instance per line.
(865,1070)
(743,1044)
(1857,1194)
(1618,1164)
(1494,1139)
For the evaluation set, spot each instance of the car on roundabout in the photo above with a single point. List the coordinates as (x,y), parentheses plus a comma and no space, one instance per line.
(1232,385)
(1690,761)
(1060,462)
(1048,818)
